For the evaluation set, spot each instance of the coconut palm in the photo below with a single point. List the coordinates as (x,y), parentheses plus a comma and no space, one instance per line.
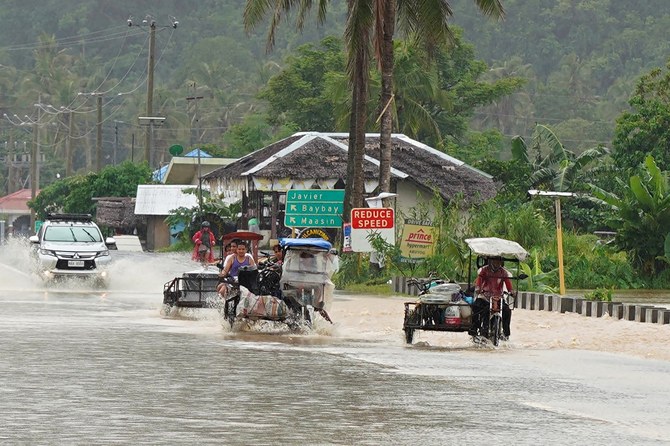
(427,22)
(359,26)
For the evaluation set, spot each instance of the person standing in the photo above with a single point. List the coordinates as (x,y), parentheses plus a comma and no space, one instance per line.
(204,242)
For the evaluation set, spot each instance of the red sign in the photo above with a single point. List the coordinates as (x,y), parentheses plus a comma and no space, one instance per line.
(372,218)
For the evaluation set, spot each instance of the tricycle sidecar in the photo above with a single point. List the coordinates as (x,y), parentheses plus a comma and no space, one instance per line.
(439,307)
(304,286)
(194,289)
(446,307)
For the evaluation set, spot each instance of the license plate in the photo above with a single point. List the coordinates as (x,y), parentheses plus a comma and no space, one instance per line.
(75,263)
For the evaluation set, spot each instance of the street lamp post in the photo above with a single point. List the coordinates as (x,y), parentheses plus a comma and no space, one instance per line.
(559,231)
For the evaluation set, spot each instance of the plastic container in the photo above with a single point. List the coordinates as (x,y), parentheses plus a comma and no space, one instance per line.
(452,315)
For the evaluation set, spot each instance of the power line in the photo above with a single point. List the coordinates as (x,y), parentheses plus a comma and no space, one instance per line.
(93,37)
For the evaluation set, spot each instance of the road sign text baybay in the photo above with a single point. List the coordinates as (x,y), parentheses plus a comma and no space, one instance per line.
(320,208)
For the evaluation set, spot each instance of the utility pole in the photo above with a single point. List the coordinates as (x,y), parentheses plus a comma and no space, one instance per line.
(94,162)
(194,135)
(116,142)
(151,23)
(68,145)
(10,163)
(34,166)
(98,141)
(150,90)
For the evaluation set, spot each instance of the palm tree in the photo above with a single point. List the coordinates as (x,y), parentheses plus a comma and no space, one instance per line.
(358,29)
(371,22)
(427,22)
(512,113)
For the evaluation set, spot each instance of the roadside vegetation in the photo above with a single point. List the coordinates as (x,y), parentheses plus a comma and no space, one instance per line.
(607,143)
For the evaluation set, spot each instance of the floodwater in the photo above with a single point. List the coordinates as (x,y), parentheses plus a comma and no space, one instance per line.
(87,366)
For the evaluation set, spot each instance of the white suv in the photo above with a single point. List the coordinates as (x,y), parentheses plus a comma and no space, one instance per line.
(71,245)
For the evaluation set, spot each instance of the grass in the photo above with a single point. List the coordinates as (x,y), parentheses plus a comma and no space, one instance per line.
(383,289)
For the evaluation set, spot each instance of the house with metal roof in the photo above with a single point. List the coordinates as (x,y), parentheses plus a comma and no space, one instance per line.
(155,202)
(314,160)
(188,168)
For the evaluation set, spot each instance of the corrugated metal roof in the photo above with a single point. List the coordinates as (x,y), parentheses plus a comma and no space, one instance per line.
(160,199)
(15,203)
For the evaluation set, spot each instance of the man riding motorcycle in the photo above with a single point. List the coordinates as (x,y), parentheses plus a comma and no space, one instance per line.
(492,280)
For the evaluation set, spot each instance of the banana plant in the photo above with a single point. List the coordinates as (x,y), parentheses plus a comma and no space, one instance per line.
(536,277)
(641,216)
(552,164)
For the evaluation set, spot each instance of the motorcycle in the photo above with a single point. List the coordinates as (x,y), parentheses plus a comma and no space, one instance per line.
(292,296)
(445,306)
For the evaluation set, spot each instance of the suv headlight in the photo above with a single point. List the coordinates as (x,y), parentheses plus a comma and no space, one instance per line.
(103,253)
(47,252)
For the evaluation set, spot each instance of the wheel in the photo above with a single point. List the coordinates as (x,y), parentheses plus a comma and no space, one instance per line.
(409,335)
(230,309)
(495,331)
(166,309)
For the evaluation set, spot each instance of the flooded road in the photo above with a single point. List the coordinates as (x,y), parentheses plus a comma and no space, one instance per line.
(87,366)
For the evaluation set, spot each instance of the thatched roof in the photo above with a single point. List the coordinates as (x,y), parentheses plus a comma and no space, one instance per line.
(235,169)
(301,156)
(324,156)
(434,170)
(117,212)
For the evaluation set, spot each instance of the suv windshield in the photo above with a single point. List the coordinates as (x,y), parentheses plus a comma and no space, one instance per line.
(72,234)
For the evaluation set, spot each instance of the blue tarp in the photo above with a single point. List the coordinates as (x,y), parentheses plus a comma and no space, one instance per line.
(306,242)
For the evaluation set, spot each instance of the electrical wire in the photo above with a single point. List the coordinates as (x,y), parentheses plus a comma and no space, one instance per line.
(74,40)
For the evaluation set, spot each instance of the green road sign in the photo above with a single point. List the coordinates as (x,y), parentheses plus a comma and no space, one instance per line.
(314,208)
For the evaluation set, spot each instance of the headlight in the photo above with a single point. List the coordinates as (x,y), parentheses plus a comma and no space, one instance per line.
(47,252)
(103,253)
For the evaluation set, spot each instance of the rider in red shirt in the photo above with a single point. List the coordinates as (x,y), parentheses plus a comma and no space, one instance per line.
(205,241)
(492,280)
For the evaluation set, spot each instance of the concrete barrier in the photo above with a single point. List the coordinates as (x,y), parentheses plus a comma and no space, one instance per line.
(641,312)
(525,299)
(616,310)
(651,315)
(629,312)
(567,304)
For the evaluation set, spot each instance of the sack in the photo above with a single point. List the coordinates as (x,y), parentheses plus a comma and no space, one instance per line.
(261,307)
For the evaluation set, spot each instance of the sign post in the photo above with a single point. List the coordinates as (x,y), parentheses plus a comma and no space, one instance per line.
(314,208)
(368,221)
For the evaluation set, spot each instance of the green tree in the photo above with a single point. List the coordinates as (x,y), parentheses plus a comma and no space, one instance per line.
(646,129)
(298,93)
(252,134)
(428,23)
(642,216)
(75,194)
(554,167)
(510,113)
